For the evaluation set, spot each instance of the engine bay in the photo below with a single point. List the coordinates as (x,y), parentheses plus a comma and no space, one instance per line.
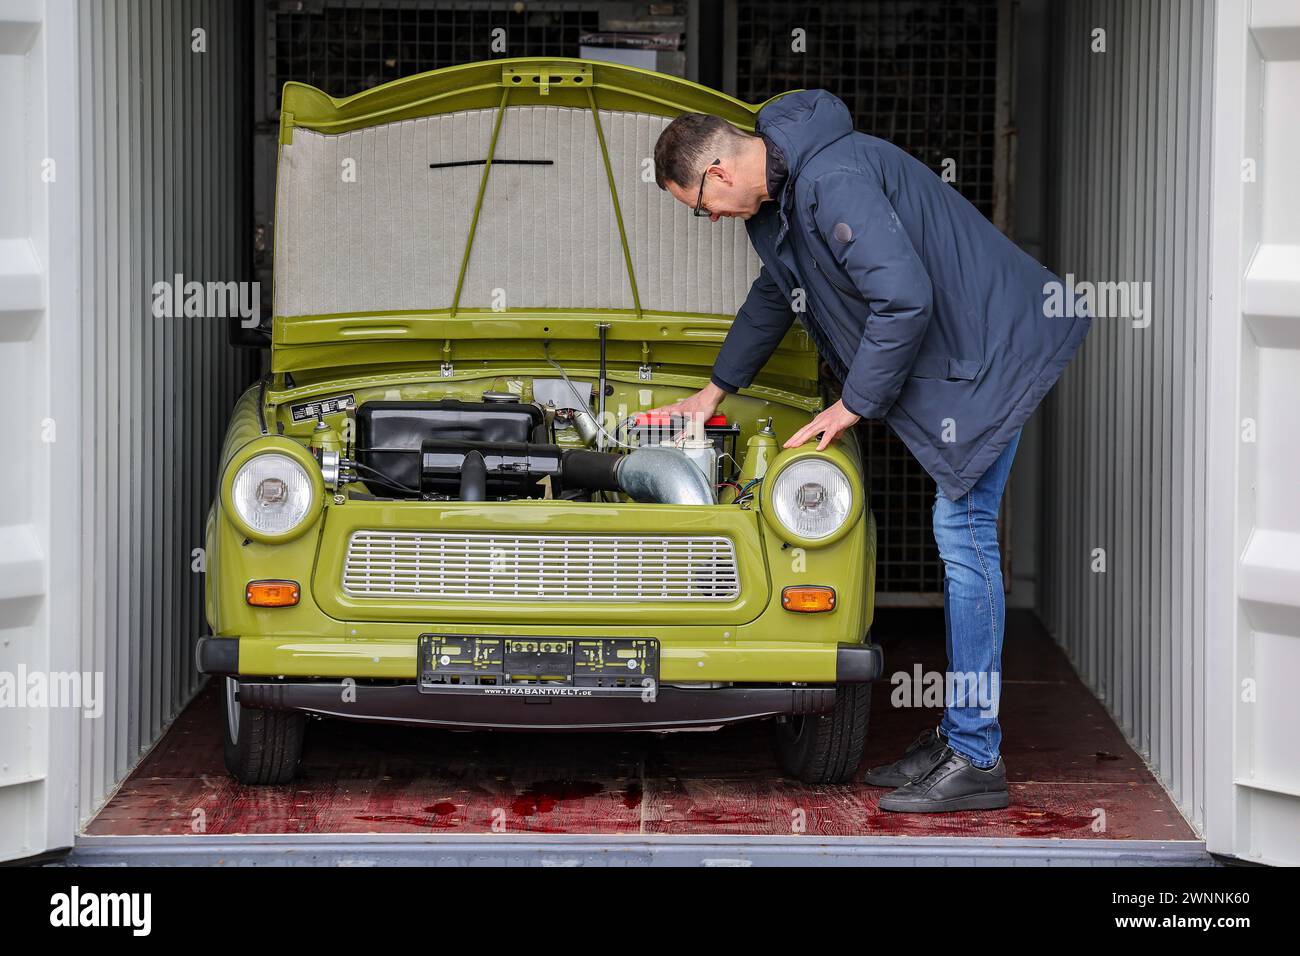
(538,438)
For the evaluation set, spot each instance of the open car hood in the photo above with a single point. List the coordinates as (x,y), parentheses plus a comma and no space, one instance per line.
(465,216)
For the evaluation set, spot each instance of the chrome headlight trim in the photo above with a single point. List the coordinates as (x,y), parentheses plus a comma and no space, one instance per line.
(811,499)
(272,490)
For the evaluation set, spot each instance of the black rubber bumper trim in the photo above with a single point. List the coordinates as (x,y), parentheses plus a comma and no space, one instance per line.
(673,707)
(217,655)
(859,663)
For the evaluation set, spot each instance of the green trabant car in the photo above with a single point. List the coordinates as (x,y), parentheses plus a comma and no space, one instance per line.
(446,504)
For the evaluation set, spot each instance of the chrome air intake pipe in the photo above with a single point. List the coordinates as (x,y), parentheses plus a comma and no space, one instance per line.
(665,475)
(651,473)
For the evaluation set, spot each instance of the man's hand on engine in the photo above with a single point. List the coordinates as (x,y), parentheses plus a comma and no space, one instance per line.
(829,424)
(700,405)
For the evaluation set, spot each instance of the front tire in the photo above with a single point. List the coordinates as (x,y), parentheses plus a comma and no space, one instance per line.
(827,748)
(262,746)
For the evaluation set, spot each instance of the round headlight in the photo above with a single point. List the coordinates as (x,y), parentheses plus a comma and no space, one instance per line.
(272,494)
(812,498)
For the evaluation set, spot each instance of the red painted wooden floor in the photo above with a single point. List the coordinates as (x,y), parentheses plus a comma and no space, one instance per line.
(1067,763)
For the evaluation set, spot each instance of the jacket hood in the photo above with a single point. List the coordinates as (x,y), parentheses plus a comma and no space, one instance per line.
(803,124)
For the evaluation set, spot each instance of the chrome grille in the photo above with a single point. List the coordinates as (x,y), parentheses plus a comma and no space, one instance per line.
(437,566)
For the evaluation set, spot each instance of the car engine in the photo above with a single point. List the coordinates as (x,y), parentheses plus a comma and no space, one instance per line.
(501,449)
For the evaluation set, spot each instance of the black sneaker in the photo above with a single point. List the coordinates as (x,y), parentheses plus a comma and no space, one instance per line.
(954,783)
(920,756)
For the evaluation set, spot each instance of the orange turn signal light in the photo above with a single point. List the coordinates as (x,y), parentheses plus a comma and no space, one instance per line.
(808,599)
(272,593)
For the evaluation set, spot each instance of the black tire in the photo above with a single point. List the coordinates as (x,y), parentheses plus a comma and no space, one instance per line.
(262,746)
(827,748)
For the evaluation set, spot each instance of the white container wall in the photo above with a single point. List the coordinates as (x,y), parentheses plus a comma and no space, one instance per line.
(39,485)
(165,172)
(1253,458)
(1124,429)
(1171,571)
(146,122)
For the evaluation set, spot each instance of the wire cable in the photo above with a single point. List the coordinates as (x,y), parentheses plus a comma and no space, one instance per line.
(577,396)
(387,479)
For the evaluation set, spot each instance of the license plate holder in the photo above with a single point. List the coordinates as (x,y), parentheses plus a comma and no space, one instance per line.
(538,667)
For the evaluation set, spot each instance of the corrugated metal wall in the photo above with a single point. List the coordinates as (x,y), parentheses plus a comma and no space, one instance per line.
(1124,428)
(165,190)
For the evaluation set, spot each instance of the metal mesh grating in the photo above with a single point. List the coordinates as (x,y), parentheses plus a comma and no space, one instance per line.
(902,494)
(346,46)
(434,566)
(922,74)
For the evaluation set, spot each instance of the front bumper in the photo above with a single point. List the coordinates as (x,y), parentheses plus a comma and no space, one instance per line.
(400,702)
(686,655)
(673,709)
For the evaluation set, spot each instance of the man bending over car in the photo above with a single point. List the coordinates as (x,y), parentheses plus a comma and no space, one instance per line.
(932,320)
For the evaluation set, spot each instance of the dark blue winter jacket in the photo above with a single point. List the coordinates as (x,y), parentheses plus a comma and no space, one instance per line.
(933,319)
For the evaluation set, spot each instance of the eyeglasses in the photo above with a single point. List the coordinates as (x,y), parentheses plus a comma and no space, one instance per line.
(700,198)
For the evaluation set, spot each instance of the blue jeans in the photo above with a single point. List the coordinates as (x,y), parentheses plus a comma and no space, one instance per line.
(974,612)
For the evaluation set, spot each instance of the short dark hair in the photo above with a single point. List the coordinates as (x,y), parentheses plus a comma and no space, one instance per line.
(689,143)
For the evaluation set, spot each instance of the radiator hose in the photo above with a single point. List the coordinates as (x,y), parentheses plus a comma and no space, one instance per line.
(472,470)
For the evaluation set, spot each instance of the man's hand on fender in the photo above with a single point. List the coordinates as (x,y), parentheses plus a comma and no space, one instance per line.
(829,424)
